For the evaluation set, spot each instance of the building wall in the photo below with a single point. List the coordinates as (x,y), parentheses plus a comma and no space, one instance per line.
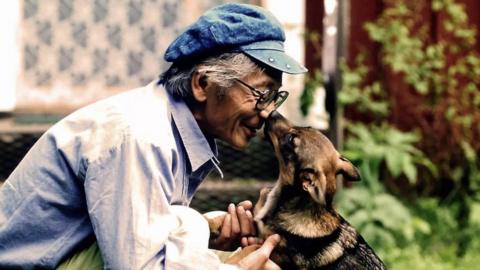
(293,16)
(73,52)
(9,64)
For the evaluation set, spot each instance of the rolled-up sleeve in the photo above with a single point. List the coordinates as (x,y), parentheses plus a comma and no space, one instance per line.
(128,193)
(111,170)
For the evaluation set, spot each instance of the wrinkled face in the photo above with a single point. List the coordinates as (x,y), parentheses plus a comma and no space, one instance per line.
(307,158)
(232,117)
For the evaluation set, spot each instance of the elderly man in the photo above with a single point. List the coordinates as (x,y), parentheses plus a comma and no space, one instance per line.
(122,171)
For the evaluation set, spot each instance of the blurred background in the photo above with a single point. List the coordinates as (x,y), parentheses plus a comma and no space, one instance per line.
(393,83)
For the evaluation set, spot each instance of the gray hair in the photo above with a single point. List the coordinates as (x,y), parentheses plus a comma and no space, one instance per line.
(222,70)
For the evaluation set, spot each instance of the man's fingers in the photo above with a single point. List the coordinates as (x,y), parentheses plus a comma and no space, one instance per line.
(254,240)
(270,243)
(235,224)
(253,230)
(270,265)
(226,227)
(245,222)
(248,241)
(244,242)
(247,205)
(258,258)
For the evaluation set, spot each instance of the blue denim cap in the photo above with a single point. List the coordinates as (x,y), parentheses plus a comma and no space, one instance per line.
(235,28)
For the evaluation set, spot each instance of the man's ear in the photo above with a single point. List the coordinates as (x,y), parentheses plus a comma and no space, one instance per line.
(199,86)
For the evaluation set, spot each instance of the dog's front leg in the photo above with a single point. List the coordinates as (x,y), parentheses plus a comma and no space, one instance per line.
(266,203)
(262,199)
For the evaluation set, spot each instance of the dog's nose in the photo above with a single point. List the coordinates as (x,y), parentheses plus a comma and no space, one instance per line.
(275,116)
(272,118)
(266,112)
(276,124)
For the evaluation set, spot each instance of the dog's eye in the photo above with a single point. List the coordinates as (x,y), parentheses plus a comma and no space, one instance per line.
(307,172)
(291,139)
(306,177)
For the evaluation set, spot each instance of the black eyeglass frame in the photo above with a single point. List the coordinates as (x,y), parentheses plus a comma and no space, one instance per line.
(266,97)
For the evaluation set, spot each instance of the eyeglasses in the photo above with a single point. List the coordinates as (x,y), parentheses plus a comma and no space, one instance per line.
(266,97)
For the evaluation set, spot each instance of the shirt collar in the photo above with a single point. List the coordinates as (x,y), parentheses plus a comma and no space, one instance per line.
(200,148)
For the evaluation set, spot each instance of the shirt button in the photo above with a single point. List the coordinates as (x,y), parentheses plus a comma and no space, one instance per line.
(271,59)
(288,66)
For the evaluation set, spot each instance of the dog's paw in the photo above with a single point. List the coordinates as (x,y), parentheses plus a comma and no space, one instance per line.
(262,198)
(264,191)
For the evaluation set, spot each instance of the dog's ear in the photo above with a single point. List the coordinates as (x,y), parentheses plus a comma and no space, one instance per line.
(348,170)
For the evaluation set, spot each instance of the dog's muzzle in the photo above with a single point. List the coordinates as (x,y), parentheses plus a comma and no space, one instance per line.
(277,124)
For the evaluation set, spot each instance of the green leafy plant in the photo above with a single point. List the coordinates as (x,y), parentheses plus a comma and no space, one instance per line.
(312,83)
(313,80)
(367,98)
(372,146)
(427,153)
(382,218)
(446,75)
(443,75)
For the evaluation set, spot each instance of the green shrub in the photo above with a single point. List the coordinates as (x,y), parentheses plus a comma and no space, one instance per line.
(428,217)
(434,224)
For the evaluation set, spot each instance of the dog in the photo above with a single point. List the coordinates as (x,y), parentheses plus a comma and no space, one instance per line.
(299,207)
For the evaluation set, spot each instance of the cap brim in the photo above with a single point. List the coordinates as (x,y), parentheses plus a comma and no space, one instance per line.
(277,60)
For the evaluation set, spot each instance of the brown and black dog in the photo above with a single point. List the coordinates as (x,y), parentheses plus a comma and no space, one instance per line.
(299,207)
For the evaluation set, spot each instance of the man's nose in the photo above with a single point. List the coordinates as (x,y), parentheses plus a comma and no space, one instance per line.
(264,113)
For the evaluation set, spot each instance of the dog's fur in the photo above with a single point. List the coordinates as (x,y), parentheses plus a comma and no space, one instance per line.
(299,206)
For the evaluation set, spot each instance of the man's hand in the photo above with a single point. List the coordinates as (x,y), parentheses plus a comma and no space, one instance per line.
(237,228)
(256,257)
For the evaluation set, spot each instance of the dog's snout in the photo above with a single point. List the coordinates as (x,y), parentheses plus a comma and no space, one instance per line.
(276,122)
(276,117)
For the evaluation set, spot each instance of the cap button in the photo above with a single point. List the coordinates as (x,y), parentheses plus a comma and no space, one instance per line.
(288,66)
(271,59)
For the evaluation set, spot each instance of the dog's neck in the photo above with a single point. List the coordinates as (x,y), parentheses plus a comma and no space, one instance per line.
(301,215)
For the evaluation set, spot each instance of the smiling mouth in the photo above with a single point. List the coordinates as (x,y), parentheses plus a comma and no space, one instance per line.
(251,131)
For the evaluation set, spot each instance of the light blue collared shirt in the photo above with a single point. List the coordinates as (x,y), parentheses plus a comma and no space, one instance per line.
(108,171)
